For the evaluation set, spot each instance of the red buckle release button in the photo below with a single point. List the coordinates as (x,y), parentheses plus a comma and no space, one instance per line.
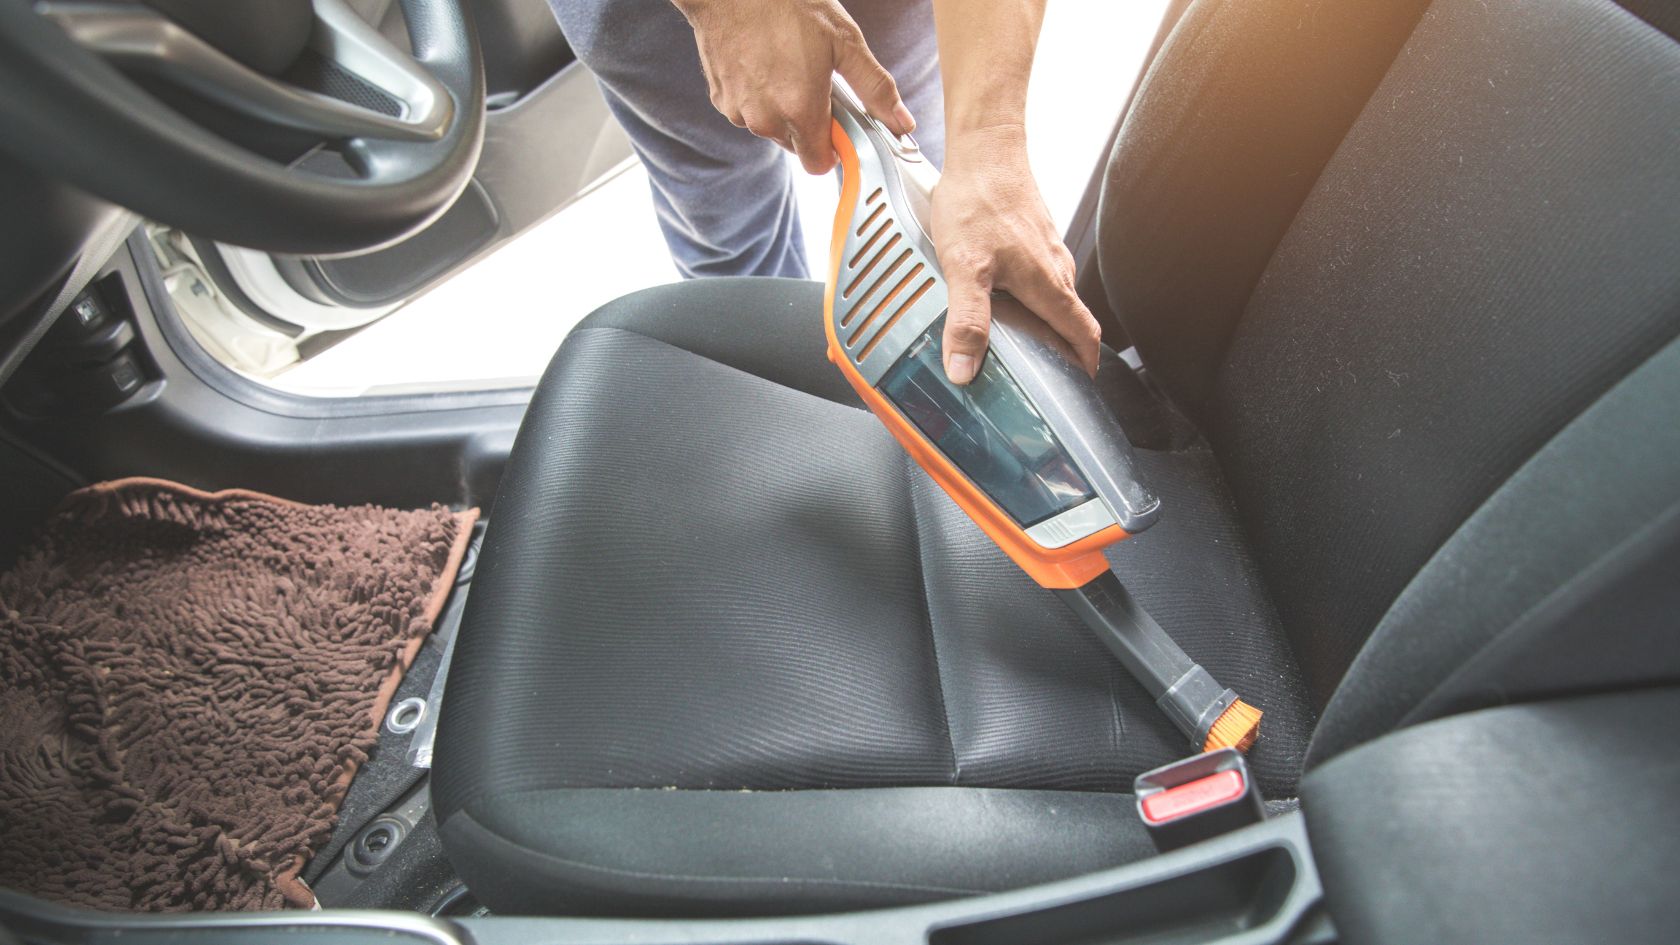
(1193,797)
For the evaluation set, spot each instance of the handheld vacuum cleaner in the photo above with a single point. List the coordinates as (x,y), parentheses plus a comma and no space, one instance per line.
(1028,449)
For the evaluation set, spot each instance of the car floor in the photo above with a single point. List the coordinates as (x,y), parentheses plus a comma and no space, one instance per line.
(385,852)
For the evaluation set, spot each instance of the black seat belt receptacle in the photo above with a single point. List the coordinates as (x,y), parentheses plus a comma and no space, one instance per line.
(1196,798)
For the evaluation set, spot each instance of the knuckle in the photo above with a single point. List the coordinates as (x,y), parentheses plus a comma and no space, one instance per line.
(1060,272)
(787,99)
(1084,323)
(1091,332)
(810,156)
(970,262)
(848,35)
(809,120)
(968,330)
(880,80)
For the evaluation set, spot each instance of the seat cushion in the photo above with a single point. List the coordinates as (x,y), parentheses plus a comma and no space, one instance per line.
(729,651)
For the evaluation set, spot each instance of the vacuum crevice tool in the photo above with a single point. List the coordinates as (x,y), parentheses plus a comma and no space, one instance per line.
(1210,714)
(1028,449)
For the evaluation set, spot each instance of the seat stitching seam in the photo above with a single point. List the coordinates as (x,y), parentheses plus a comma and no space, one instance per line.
(1117,730)
(581,330)
(927,612)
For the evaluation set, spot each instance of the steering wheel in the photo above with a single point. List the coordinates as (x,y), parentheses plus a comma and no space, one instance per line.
(409,125)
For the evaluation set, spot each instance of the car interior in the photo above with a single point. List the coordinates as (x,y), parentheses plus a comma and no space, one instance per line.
(1390,293)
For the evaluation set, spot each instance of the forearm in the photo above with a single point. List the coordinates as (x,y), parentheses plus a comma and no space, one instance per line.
(985,55)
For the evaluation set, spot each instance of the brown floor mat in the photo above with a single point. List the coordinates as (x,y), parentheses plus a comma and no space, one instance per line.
(189,680)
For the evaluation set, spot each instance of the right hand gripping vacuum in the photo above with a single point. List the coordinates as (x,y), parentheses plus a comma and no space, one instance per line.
(1028,449)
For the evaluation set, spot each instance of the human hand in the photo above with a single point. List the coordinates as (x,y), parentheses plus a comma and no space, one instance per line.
(992,231)
(768,64)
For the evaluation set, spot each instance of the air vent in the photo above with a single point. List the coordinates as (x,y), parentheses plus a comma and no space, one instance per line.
(868,268)
(887,326)
(869,244)
(871,219)
(863,326)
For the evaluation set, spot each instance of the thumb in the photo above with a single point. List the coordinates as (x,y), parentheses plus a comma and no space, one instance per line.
(873,84)
(968,324)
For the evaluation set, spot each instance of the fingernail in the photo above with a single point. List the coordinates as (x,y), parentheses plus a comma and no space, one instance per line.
(904,120)
(960,369)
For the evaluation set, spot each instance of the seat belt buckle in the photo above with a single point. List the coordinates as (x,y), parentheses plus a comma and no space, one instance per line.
(1199,797)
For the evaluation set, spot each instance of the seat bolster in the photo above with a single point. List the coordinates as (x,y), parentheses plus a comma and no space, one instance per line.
(697,853)
(1537,537)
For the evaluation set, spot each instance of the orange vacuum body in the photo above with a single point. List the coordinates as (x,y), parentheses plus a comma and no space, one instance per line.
(1001,445)
(1028,449)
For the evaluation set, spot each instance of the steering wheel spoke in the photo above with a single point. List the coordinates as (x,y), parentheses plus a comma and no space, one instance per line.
(140,39)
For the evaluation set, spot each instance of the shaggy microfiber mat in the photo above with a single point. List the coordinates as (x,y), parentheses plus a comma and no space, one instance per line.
(188,681)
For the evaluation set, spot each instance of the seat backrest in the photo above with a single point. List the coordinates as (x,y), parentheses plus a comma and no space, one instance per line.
(1386,254)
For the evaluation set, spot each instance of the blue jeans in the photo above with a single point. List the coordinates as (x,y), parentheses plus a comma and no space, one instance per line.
(725,198)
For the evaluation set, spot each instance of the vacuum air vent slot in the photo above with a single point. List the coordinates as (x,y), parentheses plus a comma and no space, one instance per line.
(909,303)
(857,279)
(886,274)
(870,219)
(873,237)
(915,271)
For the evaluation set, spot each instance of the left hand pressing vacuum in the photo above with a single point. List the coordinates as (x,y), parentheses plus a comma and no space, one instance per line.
(1028,448)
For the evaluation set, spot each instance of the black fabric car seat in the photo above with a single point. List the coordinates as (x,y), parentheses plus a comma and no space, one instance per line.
(1404,277)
